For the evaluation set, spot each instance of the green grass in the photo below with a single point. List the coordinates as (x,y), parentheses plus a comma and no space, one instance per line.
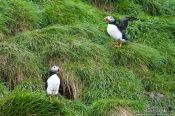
(17,16)
(20,65)
(112,82)
(104,107)
(3,90)
(30,85)
(22,103)
(64,13)
(34,34)
(135,7)
(157,7)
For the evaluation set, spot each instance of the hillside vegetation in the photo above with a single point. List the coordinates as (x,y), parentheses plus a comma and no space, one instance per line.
(99,79)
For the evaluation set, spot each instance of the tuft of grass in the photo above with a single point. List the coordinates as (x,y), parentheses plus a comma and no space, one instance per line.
(38,39)
(105,107)
(127,7)
(26,103)
(135,7)
(159,83)
(17,16)
(118,82)
(3,90)
(65,13)
(20,64)
(137,55)
(30,85)
(157,7)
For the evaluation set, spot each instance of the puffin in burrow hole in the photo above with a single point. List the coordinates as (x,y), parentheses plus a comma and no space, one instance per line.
(53,82)
(116,31)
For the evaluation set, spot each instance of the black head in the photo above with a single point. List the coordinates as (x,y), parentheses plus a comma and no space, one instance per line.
(110,19)
(54,70)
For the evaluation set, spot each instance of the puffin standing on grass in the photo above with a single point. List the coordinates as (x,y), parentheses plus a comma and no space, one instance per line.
(53,82)
(116,31)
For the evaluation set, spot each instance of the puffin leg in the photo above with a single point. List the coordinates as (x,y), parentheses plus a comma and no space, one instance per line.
(117,43)
(120,44)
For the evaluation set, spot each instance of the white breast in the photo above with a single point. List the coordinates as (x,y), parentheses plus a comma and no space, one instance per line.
(53,84)
(114,32)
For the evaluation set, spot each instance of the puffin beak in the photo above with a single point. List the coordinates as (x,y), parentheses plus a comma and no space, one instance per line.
(105,19)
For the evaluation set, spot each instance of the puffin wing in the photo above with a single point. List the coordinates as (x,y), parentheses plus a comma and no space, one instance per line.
(123,23)
(46,85)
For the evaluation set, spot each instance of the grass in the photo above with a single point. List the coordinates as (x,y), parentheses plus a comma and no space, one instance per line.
(135,7)
(102,80)
(17,16)
(157,7)
(19,102)
(112,82)
(20,65)
(105,107)
(64,12)
(3,90)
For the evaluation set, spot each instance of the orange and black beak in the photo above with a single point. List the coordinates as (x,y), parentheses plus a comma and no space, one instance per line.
(106,19)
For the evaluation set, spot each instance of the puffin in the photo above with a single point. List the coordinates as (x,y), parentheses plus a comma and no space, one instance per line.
(116,30)
(53,82)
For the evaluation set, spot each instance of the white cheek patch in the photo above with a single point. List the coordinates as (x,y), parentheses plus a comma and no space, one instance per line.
(54,68)
(111,19)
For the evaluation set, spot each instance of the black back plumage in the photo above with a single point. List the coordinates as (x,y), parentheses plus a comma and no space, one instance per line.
(123,23)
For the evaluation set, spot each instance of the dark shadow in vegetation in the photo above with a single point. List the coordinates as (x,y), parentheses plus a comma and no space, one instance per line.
(69,86)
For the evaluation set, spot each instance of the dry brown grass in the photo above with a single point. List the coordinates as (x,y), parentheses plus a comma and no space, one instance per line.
(120,111)
(107,6)
(69,83)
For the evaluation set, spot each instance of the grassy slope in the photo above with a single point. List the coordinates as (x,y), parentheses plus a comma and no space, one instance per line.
(71,33)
